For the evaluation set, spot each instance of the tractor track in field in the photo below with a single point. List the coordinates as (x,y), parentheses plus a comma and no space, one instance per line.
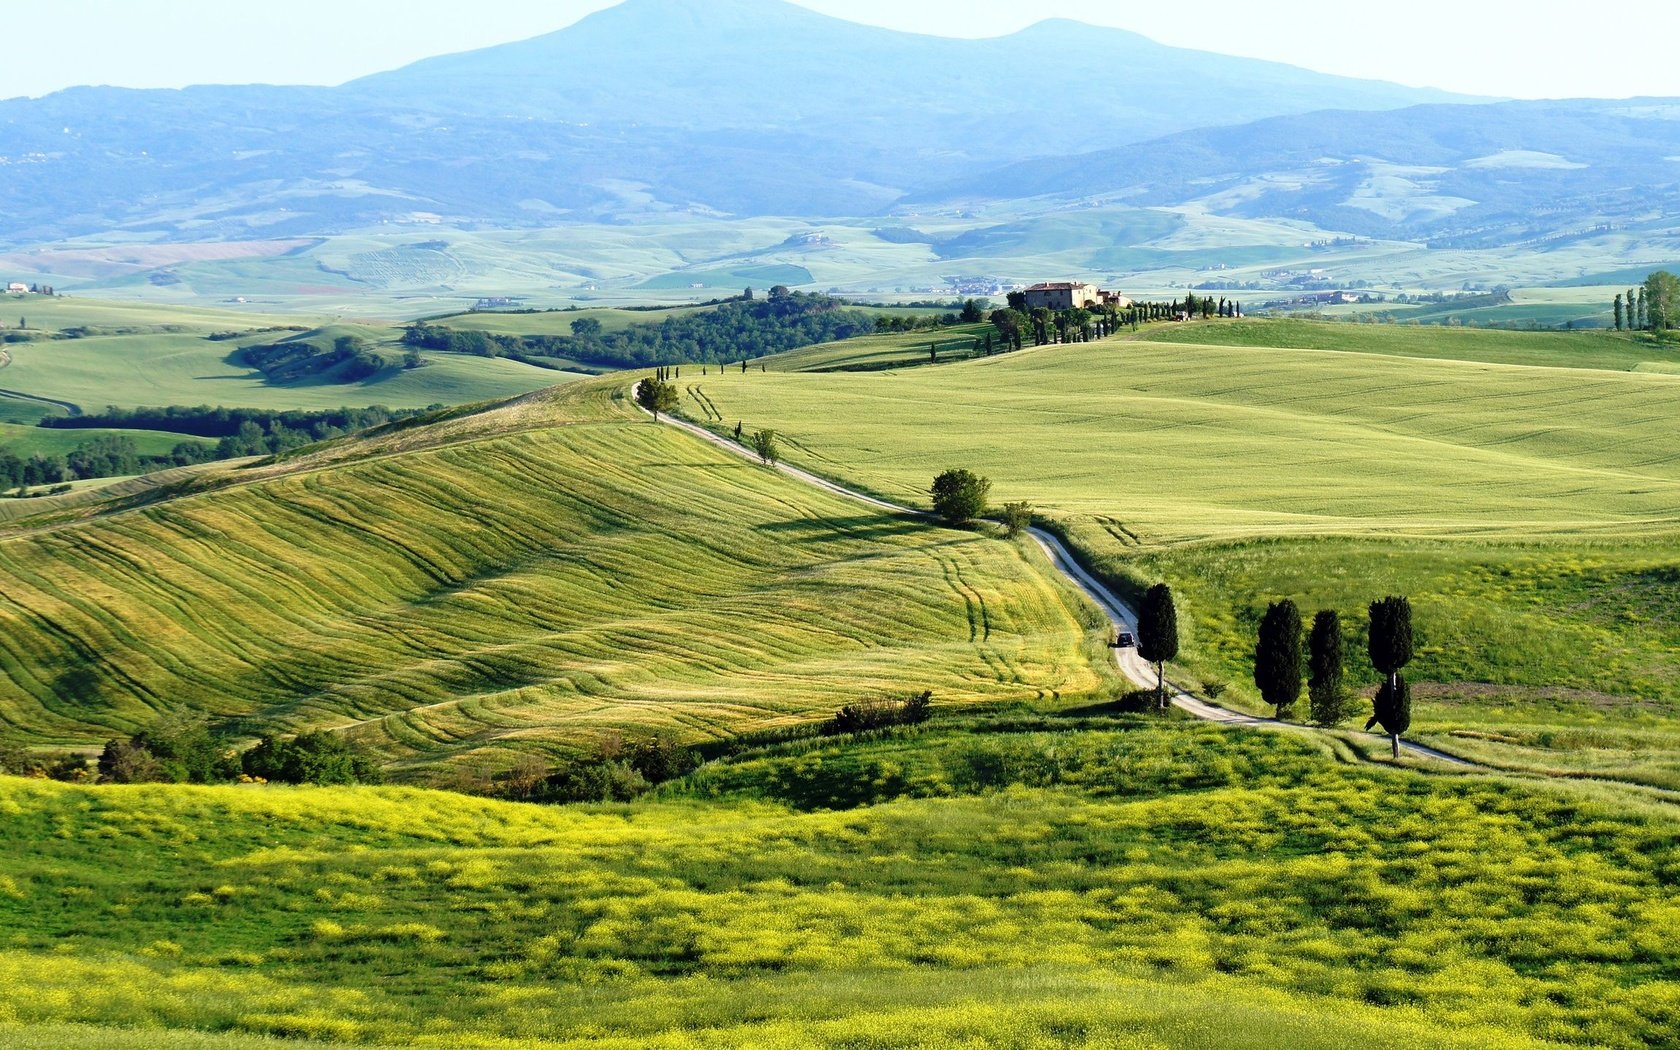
(1120,615)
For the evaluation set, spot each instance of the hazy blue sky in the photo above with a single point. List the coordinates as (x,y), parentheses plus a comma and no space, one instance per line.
(1521,48)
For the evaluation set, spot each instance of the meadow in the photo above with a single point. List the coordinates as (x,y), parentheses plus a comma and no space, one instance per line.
(511,581)
(1528,510)
(1613,351)
(134,354)
(1033,882)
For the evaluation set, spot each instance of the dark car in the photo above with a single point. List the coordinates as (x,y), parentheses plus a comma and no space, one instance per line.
(1124,640)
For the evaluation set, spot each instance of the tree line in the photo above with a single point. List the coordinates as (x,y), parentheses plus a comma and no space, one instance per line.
(107,456)
(735,331)
(1016,323)
(241,432)
(1652,307)
(185,750)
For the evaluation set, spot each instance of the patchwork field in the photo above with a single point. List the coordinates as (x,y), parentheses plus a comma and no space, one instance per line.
(1042,883)
(515,580)
(1530,512)
(134,354)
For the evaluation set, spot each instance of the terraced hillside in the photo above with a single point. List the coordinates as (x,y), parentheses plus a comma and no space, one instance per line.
(515,579)
(1531,512)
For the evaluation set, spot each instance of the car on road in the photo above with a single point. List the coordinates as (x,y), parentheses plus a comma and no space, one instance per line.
(1124,640)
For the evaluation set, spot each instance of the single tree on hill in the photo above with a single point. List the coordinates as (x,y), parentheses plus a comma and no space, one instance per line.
(764,443)
(1157,635)
(1390,648)
(586,328)
(1277,656)
(657,396)
(959,496)
(972,312)
(1661,295)
(1325,665)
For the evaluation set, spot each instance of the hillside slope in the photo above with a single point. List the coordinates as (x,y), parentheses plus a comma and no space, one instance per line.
(517,579)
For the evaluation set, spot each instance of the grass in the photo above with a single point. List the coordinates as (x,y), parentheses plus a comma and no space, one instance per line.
(1529,511)
(1045,883)
(26,441)
(871,353)
(517,580)
(1615,351)
(141,354)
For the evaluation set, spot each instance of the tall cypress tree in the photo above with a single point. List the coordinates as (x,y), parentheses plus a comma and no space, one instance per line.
(1325,665)
(1632,311)
(1644,312)
(1157,639)
(1390,649)
(1277,656)
(1618,312)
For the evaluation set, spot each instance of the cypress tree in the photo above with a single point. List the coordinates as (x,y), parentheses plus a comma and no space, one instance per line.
(1325,664)
(1618,312)
(1392,708)
(1390,648)
(1277,656)
(1157,636)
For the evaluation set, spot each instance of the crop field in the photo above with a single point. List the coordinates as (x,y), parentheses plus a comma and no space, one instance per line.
(26,441)
(1089,883)
(187,369)
(1529,512)
(558,322)
(520,580)
(1613,351)
(868,353)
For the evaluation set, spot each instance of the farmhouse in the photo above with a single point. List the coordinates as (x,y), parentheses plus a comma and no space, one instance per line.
(17,289)
(1069,295)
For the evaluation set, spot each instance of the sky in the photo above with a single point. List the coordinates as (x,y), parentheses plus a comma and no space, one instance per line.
(1513,48)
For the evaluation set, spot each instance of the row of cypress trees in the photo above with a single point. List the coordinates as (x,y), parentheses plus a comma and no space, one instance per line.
(1278,663)
(1278,658)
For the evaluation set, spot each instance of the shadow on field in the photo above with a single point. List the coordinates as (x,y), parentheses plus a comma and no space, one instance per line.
(862,526)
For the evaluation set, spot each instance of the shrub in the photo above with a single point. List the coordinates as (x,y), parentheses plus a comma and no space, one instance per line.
(310,758)
(1017,518)
(865,715)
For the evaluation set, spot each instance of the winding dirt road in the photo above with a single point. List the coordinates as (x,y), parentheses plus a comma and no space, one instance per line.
(1120,616)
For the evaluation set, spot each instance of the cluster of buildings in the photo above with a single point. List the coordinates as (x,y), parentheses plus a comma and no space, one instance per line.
(1071,295)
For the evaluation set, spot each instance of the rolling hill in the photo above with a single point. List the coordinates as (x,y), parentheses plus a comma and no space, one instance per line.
(519,579)
(1527,508)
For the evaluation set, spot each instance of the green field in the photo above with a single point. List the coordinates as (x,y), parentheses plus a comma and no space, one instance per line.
(27,440)
(869,353)
(135,354)
(1530,512)
(1032,883)
(1614,351)
(516,580)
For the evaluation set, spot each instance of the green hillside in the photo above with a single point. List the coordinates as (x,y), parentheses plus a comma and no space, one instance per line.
(133,354)
(1043,883)
(520,579)
(1529,512)
(1615,351)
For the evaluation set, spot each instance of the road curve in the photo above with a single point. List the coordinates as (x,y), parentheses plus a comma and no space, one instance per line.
(1134,667)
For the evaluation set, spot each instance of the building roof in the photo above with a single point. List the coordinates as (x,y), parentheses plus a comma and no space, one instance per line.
(1059,286)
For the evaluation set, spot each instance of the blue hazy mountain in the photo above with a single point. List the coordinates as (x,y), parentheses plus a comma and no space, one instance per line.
(654,106)
(1452,175)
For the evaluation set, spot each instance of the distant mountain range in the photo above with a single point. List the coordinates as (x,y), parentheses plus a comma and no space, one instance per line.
(651,108)
(1454,176)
